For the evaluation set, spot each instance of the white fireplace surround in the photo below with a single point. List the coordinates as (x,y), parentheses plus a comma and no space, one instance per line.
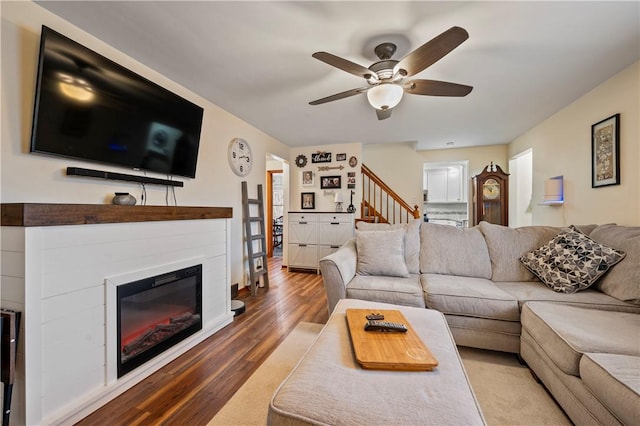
(63,280)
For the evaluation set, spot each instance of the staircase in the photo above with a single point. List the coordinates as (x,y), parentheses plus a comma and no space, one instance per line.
(380,204)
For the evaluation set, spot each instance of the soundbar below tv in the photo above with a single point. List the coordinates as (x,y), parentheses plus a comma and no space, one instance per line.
(88,107)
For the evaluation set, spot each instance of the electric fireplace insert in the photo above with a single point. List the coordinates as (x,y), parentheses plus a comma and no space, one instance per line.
(156,313)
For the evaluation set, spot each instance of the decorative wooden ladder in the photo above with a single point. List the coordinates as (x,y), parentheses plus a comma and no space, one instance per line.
(253,254)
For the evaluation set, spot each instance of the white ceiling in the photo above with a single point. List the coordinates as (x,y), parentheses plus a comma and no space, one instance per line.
(525,60)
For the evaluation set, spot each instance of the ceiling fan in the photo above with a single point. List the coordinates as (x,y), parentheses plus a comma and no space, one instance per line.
(386,78)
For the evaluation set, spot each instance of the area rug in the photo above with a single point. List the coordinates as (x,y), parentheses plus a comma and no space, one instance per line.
(507,393)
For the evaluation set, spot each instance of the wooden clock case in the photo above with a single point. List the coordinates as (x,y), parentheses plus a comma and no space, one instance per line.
(491,196)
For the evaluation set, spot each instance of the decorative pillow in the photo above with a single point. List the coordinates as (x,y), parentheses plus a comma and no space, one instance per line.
(381,253)
(411,240)
(571,261)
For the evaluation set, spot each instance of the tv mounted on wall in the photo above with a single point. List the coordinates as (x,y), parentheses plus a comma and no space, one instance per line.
(90,108)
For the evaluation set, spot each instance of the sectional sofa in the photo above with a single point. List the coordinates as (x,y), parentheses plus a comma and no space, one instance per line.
(579,332)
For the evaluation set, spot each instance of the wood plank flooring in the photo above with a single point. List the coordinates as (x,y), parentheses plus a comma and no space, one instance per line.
(194,387)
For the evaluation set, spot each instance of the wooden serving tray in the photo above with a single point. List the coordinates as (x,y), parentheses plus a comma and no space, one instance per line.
(379,350)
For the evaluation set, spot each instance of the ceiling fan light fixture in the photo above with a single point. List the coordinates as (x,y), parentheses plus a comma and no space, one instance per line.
(385,96)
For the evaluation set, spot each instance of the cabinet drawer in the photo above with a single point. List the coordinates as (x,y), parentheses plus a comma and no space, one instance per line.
(303,217)
(303,256)
(335,218)
(303,232)
(334,233)
(324,251)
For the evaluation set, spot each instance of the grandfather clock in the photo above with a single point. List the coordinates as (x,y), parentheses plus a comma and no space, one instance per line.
(491,196)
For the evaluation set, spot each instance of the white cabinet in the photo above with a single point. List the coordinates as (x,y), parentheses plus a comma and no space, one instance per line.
(315,235)
(445,185)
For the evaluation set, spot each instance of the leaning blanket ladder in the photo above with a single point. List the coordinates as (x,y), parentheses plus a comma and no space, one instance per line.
(257,256)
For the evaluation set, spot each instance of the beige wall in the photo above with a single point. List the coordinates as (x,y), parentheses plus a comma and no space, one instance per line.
(401,166)
(562,146)
(29,177)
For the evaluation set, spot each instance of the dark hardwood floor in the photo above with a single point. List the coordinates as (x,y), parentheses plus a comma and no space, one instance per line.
(194,387)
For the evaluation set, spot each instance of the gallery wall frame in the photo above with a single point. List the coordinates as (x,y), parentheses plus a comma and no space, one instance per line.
(605,152)
(307,178)
(308,200)
(330,182)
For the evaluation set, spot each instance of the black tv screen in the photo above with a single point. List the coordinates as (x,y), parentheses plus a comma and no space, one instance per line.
(88,107)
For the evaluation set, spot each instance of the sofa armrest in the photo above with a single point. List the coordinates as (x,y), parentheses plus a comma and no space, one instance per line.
(338,269)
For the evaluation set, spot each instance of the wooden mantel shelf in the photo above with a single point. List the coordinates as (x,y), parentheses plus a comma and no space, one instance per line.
(39,214)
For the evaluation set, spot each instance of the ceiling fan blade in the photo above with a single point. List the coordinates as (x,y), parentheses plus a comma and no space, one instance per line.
(340,95)
(432,51)
(345,65)
(383,113)
(436,88)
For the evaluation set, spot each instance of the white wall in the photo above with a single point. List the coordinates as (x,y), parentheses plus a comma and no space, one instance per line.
(29,177)
(562,146)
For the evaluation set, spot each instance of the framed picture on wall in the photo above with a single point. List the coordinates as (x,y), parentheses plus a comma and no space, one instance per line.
(308,178)
(341,157)
(308,200)
(605,152)
(331,182)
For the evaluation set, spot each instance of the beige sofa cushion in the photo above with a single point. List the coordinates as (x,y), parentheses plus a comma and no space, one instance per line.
(506,246)
(452,251)
(468,296)
(615,381)
(535,291)
(567,332)
(381,253)
(623,280)
(399,291)
(411,240)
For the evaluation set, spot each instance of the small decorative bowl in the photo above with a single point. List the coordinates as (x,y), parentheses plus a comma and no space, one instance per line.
(124,199)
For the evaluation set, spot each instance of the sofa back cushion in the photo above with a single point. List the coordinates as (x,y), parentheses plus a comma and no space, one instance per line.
(451,251)
(381,253)
(506,246)
(411,240)
(623,280)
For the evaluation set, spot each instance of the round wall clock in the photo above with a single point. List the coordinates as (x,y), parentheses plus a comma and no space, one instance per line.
(301,160)
(240,157)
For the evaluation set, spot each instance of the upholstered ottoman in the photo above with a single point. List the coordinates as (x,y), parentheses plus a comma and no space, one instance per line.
(328,386)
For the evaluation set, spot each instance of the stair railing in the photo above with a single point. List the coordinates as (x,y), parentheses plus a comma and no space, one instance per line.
(380,203)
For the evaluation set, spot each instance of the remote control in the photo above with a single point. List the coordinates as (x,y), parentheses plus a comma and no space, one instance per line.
(375,317)
(373,325)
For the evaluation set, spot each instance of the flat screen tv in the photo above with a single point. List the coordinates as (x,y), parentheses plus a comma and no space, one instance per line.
(90,108)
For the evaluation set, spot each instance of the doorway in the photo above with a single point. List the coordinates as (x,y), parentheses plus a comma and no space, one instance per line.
(521,189)
(275,212)
(445,193)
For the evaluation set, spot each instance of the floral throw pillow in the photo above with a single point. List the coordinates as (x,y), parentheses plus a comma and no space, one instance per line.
(571,261)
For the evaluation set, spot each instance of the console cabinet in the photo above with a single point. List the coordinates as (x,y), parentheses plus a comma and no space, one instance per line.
(313,236)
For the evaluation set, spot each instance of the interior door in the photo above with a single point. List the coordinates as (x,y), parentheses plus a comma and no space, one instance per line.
(274,205)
